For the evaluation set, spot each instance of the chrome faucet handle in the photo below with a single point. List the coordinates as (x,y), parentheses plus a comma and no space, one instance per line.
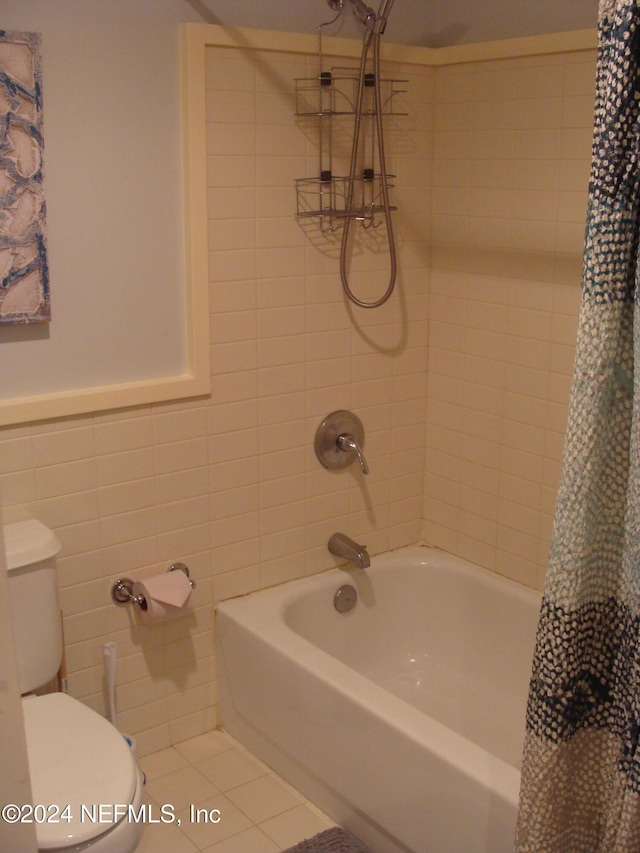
(339,441)
(348,443)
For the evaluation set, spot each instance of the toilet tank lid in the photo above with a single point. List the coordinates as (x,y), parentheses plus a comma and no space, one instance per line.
(28,542)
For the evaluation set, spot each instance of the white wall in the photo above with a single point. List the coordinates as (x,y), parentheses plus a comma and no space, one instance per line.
(113,188)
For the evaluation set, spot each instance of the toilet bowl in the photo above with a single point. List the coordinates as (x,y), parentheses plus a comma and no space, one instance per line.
(86,787)
(82,770)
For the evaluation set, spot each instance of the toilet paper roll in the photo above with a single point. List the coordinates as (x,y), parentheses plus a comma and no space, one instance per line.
(166,596)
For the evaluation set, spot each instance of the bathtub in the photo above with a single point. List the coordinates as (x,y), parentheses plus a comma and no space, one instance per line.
(402,719)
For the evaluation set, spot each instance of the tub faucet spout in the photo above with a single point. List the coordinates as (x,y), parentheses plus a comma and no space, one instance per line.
(343,546)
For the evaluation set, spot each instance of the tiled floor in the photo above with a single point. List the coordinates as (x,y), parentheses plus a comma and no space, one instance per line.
(258,812)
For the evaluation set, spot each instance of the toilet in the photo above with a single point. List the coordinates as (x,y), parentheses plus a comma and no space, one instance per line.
(79,763)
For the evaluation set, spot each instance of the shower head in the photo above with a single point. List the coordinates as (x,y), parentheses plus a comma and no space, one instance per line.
(376,23)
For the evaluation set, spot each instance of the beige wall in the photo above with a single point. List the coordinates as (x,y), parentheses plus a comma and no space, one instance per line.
(512,144)
(493,157)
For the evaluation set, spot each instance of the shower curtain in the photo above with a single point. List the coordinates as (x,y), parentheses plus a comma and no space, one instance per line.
(580,789)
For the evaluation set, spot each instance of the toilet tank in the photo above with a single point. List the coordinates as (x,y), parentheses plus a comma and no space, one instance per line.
(31,550)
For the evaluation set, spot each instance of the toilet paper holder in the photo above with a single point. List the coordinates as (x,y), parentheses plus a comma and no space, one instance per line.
(122,589)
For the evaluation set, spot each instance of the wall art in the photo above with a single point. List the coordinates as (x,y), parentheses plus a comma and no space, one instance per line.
(24,276)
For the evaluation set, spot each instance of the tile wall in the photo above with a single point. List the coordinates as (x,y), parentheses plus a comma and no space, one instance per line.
(287,351)
(494,158)
(512,145)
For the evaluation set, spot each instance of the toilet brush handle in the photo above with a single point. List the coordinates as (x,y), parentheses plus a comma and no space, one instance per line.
(110,657)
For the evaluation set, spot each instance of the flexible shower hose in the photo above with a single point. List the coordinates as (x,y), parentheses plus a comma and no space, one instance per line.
(383,176)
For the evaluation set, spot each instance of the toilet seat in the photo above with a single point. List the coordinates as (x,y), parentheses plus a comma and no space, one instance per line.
(76,759)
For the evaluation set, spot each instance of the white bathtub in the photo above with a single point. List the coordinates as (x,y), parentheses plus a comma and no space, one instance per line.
(402,719)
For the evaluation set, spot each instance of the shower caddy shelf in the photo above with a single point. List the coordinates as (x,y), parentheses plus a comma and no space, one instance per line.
(333,94)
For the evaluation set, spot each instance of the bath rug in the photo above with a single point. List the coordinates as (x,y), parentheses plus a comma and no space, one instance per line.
(334,840)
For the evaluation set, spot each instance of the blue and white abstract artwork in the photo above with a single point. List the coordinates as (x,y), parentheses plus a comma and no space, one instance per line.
(24,275)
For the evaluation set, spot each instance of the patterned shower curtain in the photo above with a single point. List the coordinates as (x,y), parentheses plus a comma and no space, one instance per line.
(580,790)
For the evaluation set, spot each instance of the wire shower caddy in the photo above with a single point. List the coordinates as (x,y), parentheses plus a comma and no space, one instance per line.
(330,98)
